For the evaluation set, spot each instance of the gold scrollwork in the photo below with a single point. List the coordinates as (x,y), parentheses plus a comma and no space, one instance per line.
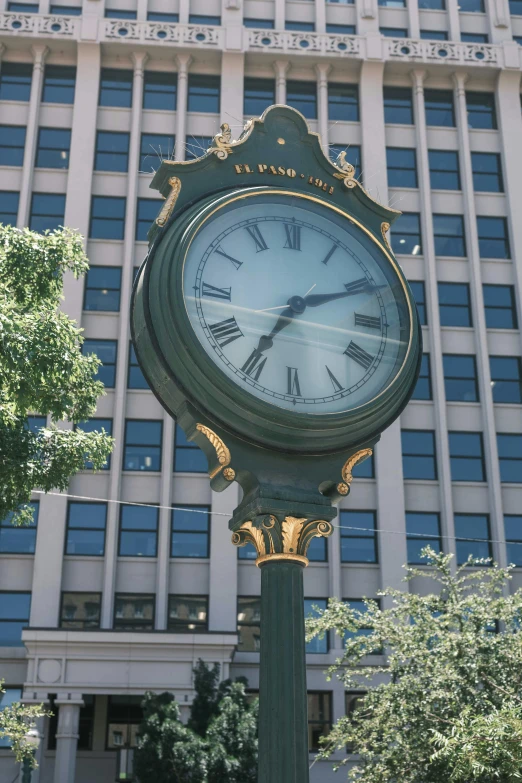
(352,462)
(285,540)
(249,533)
(385,227)
(222,451)
(170,201)
(221,145)
(347,171)
(291,530)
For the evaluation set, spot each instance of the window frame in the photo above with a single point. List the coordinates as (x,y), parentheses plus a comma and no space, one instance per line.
(459,457)
(432,455)
(473,378)
(98,151)
(360,534)
(152,621)
(467,307)
(516,436)
(5,524)
(311,722)
(53,72)
(102,219)
(435,170)
(424,376)
(147,445)
(202,623)
(3,620)
(85,626)
(42,149)
(247,623)
(113,365)
(394,169)
(121,530)
(9,148)
(511,381)
(512,308)
(103,529)
(424,537)
(207,532)
(46,216)
(87,288)
(462,539)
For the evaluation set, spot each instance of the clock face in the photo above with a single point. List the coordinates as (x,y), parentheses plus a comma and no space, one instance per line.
(296,304)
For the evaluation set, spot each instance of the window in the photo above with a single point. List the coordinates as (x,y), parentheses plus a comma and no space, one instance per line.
(133,612)
(303,97)
(317,550)
(159,90)
(15,81)
(493,237)
(112,151)
(513,532)
(454,304)
(80,610)
(66,10)
(102,289)
(115,88)
(9,207)
(432,5)
(86,529)
(510,458)
(155,147)
(475,527)
(124,715)
(8,697)
(393,3)
(106,351)
(59,84)
(35,423)
(142,449)
(138,531)
(135,377)
(472,6)
(448,233)
(148,209)
(96,425)
(343,102)
(85,726)
(460,378)
(419,294)
(500,308)
(196,146)
(12,144)
(188,614)
(518,39)
(341,29)
(162,16)
(401,165)
(319,718)
(305,27)
(444,169)
(439,108)
(259,95)
(433,35)
(353,155)
(248,623)
(23,8)
(406,235)
(393,32)
(515,7)
(119,13)
(474,38)
(53,147)
(466,456)
(47,211)
(481,110)
(204,19)
(365,469)
(19,539)
(190,531)
(247,552)
(398,105)
(358,537)
(422,529)
(188,457)
(418,454)
(487,172)
(506,378)
(14,617)
(107,217)
(317,645)
(203,93)
(422,389)
(260,24)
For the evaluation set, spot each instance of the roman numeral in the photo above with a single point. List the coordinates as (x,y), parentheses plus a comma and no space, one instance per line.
(335,383)
(367,320)
(257,236)
(226,332)
(293,382)
(293,236)
(330,253)
(253,366)
(217,293)
(221,252)
(359,355)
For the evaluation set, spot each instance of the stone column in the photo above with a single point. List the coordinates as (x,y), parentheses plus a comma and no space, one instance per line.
(453,21)
(320,16)
(222,608)
(232,89)
(48,562)
(183,62)
(67,737)
(183,15)
(322,70)
(162,567)
(32,699)
(281,68)
(414,22)
(279,14)
(39,54)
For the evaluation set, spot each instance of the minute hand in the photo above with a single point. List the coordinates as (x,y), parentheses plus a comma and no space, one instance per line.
(314,300)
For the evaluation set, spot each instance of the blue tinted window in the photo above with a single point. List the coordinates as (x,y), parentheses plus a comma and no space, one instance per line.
(317,550)
(481,110)
(118,13)
(466,456)
(500,307)
(204,19)
(204,93)
(35,423)
(53,148)
(162,16)
(317,645)
(142,445)
(394,32)
(188,457)
(358,537)
(138,531)
(106,351)
(448,232)
(493,237)
(19,539)
(102,288)
(135,378)
(506,378)
(510,458)
(9,207)
(47,211)
(147,213)
(303,97)
(14,617)
(12,143)
(340,29)
(454,304)
(353,156)
(472,6)
(406,235)
(474,38)
(112,151)
(393,3)
(15,81)
(418,454)
(513,532)
(460,377)
(86,529)
(398,105)
(472,534)
(487,172)
(155,147)
(247,552)
(422,389)
(260,24)
(196,146)
(422,529)
(59,84)
(432,5)
(259,95)
(305,27)
(419,294)
(401,164)
(66,10)
(433,35)
(97,425)
(23,8)
(159,90)
(343,102)
(190,531)
(444,169)
(115,87)
(439,108)
(107,217)
(515,7)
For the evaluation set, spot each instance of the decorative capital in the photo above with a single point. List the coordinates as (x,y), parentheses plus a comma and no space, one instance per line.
(286,539)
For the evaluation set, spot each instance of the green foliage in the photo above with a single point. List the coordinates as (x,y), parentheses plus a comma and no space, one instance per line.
(205,704)
(15,720)
(232,739)
(42,369)
(447,705)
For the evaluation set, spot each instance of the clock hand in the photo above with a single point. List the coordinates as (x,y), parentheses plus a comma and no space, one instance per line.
(314,300)
(266,341)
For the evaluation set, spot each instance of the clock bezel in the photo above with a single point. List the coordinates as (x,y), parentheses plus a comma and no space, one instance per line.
(200,381)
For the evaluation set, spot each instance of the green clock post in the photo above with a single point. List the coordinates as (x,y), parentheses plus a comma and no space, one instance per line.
(272,320)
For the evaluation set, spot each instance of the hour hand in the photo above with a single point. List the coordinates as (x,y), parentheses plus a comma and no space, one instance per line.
(362,286)
(266,341)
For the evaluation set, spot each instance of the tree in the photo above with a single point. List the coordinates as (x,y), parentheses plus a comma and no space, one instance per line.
(232,739)
(447,706)
(15,720)
(205,703)
(42,370)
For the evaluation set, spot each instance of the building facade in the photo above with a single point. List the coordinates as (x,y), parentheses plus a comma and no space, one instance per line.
(117,598)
